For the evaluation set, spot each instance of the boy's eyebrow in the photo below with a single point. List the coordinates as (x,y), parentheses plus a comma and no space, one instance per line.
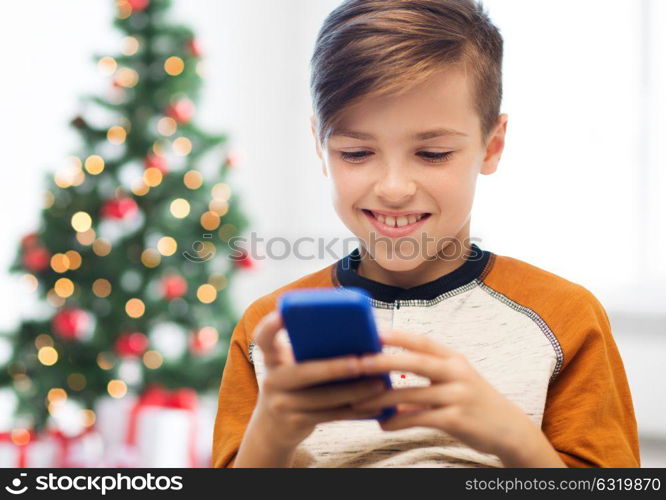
(421,136)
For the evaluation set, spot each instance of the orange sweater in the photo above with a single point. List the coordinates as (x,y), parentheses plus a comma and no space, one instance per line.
(543,341)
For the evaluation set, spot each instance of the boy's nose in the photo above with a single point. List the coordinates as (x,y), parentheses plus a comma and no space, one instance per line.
(395,188)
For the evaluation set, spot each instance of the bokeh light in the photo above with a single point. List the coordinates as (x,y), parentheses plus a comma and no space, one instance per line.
(206,293)
(81,221)
(180,208)
(167,246)
(174,66)
(135,308)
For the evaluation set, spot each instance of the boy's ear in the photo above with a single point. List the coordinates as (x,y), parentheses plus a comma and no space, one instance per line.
(317,145)
(495,146)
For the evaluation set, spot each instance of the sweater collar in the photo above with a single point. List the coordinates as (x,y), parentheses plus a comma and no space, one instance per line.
(476,264)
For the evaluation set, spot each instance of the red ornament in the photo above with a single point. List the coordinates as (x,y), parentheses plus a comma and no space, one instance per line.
(181,110)
(122,208)
(232,159)
(71,323)
(174,287)
(139,4)
(156,161)
(36,259)
(194,47)
(244,260)
(204,340)
(29,240)
(131,344)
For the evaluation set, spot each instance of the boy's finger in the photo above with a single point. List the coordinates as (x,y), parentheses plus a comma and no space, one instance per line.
(431,367)
(308,373)
(265,336)
(317,398)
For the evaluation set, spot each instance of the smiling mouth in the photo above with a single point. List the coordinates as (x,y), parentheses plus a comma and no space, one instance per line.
(397,222)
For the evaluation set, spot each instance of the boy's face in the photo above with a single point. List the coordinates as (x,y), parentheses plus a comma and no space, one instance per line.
(394,171)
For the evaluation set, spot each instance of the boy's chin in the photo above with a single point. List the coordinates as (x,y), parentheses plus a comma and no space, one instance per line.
(398,264)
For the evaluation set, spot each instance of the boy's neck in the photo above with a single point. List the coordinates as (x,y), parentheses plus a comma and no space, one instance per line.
(426,272)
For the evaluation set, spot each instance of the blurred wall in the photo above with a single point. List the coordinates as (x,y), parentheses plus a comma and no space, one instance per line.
(579,188)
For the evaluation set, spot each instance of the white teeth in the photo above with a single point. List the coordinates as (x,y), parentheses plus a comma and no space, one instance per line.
(397,221)
(401,221)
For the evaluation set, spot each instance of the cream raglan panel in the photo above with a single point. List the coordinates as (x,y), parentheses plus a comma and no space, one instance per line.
(505,345)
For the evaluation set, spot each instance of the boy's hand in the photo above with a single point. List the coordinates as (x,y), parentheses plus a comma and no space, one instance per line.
(459,400)
(287,408)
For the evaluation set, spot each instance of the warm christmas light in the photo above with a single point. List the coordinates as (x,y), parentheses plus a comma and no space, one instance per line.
(102,247)
(47,356)
(129,46)
(64,287)
(61,180)
(124,9)
(193,179)
(140,188)
(160,147)
(22,383)
(167,246)
(152,176)
(101,287)
(152,359)
(207,337)
(210,220)
(86,237)
(60,263)
(221,191)
(43,340)
(206,293)
(75,161)
(174,66)
(20,437)
(30,281)
(206,250)
(74,259)
(227,231)
(89,418)
(116,388)
(116,134)
(180,208)
(127,77)
(104,361)
(81,221)
(48,199)
(53,299)
(107,66)
(56,394)
(220,207)
(219,281)
(78,177)
(182,146)
(167,126)
(150,258)
(135,308)
(94,164)
(76,381)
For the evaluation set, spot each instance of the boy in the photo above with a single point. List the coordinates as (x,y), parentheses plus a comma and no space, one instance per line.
(494,362)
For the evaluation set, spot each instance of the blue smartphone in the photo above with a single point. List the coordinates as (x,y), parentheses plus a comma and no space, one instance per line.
(332,322)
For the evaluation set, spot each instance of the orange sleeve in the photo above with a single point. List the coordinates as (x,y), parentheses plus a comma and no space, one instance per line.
(237,395)
(589,416)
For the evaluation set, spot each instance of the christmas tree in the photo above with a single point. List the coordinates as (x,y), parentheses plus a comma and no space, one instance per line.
(133,256)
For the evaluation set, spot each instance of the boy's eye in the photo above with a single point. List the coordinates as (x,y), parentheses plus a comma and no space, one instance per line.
(427,155)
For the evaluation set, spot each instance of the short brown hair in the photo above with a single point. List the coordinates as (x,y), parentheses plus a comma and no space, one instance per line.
(378,47)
